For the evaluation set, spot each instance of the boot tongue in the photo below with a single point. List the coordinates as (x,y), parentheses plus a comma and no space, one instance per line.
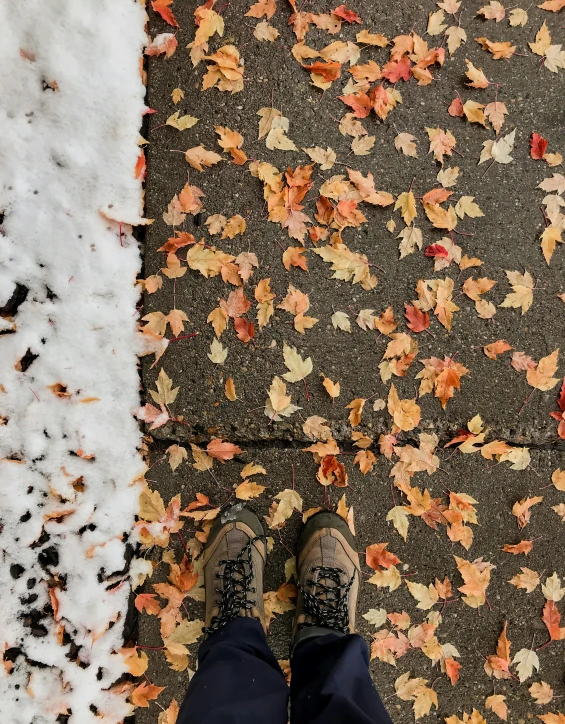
(328,550)
(235,541)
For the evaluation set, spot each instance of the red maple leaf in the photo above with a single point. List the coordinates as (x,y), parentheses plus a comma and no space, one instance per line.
(417,321)
(436,250)
(348,15)
(245,330)
(538,146)
(456,108)
(394,70)
(461,436)
(552,618)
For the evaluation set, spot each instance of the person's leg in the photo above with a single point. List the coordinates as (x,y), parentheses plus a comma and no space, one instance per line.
(238,680)
(330,681)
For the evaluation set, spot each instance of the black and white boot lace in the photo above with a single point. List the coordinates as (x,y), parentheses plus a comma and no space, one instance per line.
(328,606)
(236,579)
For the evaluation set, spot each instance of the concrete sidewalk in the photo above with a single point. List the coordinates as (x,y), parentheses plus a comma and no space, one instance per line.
(505,238)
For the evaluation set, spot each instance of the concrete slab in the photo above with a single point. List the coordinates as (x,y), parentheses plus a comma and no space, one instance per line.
(506,238)
(427,554)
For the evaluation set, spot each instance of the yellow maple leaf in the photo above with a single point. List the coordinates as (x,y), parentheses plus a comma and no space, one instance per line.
(541,377)
(405,413)
(406,203)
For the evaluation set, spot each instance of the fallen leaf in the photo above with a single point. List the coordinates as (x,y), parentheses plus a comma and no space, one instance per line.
(222,451)
(377,556)
(526,661)
(198,157)
(417,321)
(376,617)
(525,547)
(405,413)
(528,580)
(522,509)
(407,205)
(541,692)
(476,76)
(517,17)
(389,578)
(181,123)
(165,43)
(498,150)
(229,390)
(493,11)
(493,349)
(162,7)
(264,31)
(406,144)
(427,596)
(289,501)
(455,36)
(467,207)
(248,490)
(144,693)
(474,112)
(541,376)
(552,618)
(218,353)
(542,41)
(298,368)
(441,143)
(522,291)
(538,146)
(399,518)
(499,50)
(552,589)
(176,454)
(497,704)
(435,23)
(476,581)
(495,113)
(325,159)
(332,388)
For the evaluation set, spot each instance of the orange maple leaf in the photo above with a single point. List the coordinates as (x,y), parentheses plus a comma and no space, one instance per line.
(524,546)
(452,669)
(144,693)
(378,557)
(147,602)
(329,71)
(221,450)
(162,7)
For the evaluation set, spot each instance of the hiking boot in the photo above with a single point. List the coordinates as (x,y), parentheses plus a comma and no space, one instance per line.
(234,562)
(328,578)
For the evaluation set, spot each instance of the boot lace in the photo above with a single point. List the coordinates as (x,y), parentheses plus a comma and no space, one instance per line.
(328,607)
(236,581)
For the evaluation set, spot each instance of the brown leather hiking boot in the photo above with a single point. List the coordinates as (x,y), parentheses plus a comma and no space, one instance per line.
(328,578)
(234,561)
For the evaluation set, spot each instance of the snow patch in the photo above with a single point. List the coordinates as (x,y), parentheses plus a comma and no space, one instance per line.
(72,101)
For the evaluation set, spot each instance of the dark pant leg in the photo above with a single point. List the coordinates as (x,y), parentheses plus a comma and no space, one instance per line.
(331,683)
(238,680)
